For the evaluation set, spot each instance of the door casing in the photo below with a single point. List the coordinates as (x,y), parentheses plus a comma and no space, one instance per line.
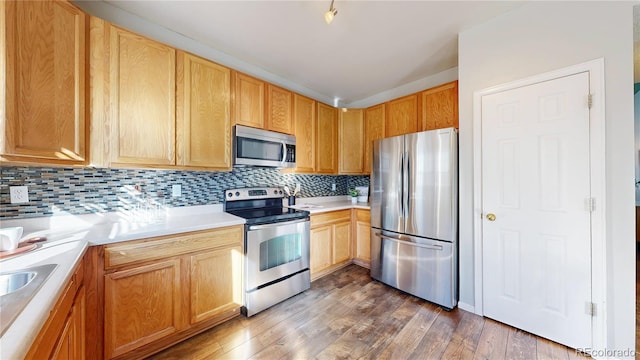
(595,68)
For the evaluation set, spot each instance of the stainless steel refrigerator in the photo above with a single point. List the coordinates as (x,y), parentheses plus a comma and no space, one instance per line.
(414,214)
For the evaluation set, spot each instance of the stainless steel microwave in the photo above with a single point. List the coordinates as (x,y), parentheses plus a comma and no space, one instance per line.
(263,148)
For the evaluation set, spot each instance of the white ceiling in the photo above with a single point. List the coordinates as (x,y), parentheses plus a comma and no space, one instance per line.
(371,46)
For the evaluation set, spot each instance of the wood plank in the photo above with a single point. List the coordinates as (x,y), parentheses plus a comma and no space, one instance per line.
(493,341)
(521,345)
(464,339)
(346,315)
(547,349)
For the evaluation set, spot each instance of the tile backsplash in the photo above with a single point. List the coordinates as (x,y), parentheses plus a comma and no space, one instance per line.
(77,191)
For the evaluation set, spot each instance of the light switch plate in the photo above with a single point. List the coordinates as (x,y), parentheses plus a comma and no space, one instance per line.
(176,190)
(19,194)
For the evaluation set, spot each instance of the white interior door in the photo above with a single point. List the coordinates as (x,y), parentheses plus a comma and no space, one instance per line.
(535,180)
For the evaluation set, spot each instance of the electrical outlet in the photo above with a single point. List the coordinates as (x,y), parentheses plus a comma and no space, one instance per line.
(19,194)
(176,190)
(333,187)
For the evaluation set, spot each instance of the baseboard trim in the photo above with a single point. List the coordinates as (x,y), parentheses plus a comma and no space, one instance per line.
(467,307)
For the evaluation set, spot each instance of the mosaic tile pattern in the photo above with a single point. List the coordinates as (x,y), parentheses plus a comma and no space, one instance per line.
(88,190)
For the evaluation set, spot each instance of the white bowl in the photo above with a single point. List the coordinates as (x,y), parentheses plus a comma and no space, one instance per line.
(10,237)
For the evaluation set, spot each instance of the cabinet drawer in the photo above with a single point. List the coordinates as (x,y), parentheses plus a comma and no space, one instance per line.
(330,218)
(171,245)
(363,215)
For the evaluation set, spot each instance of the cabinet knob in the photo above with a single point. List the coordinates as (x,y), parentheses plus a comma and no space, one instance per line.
(491,217)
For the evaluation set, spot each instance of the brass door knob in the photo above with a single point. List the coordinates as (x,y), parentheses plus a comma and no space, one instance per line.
(491,217)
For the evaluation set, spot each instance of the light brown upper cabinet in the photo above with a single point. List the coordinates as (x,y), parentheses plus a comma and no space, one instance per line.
(402,116)
(304,120)
(279,107)
(327,140)
(248,100)
(439,107)
(373,130)
(133,93)
(43,82)
(203,133)
(351,141)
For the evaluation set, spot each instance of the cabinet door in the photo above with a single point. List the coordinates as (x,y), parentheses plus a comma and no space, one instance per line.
(142,305)
(402,116)
(351,142)
(279,110)
(341,242)
(363,235)
(320,249)
(142,96)
(248,102)
(373,130)
(216,282)
(440,107)
(203,133)
(43,82)
(304,120)
(326,145)
(70,345)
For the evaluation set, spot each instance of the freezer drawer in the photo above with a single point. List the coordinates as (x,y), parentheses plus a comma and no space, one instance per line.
(421,267)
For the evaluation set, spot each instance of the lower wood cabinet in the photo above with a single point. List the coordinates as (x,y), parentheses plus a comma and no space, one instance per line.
(63,334)
(362,237)
(330,242)
(142,305)
(162,290)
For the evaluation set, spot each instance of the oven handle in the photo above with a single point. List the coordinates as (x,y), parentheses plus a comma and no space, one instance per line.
(269,226)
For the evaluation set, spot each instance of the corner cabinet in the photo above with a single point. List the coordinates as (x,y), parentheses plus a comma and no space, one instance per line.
(330,242)
(439,107)
(43,82)
(203,126)
(304,124)
(374,118)
(327,140)
(351,142)
(162,290)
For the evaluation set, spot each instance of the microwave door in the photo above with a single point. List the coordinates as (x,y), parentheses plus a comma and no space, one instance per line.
(250,151)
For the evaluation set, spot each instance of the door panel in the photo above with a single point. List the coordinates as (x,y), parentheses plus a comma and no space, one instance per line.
(431,184)
(535,179)
(387,174)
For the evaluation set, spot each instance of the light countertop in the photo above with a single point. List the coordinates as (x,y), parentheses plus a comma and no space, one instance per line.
(318,205)
(68,237)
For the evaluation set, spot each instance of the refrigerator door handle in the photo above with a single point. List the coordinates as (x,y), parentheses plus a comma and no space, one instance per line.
(405,186)
(402,178)
(408,175)
(404,242)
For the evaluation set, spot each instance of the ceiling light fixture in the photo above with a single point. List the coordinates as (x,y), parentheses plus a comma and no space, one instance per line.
(329,15)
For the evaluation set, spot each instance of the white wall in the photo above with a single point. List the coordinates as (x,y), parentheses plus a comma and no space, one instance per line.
(537,38)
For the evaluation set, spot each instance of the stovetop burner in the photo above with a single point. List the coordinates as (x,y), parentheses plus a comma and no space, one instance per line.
(260,206)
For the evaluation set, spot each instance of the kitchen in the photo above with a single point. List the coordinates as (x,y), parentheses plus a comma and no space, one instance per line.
(474,73)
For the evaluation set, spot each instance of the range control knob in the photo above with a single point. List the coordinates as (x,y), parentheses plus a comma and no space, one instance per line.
(237,193)
(275,192)
(229,194)
(280,192)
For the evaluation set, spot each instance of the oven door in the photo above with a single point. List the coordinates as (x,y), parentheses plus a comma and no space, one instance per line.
(274,251)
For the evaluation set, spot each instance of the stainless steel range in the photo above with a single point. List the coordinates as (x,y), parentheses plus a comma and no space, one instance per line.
(276,246)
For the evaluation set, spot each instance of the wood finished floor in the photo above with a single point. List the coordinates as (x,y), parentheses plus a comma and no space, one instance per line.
(346,315)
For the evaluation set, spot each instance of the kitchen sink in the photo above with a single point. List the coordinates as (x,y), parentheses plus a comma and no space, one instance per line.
(17,288)
(15,281)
